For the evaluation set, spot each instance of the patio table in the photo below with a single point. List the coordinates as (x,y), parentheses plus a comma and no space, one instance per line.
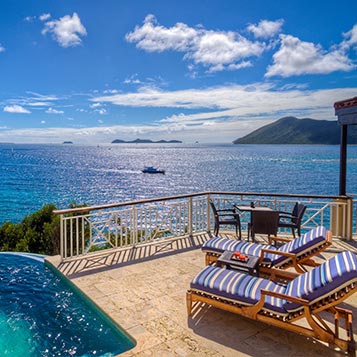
(228,260)
(265,219)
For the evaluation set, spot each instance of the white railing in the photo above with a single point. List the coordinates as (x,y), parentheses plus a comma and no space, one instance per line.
(354,212)
(88,229)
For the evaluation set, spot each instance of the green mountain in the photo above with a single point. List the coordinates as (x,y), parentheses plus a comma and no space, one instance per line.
(290,130)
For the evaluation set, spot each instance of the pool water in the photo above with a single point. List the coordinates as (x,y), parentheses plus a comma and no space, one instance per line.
(41,315)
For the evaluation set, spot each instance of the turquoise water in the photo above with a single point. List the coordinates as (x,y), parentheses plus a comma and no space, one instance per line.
(32,175)
(41,316)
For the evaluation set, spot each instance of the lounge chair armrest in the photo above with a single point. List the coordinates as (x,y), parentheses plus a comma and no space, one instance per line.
(294,299)
(281,239)
(272,251)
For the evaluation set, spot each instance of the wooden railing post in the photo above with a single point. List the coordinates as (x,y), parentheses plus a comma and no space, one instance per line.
(134,225)
(341,217)
(190,216)
(61,237)
(208,213)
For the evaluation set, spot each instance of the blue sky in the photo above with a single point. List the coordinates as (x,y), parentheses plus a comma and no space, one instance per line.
(209,71)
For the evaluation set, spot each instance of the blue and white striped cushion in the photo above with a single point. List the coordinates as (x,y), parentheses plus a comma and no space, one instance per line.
(332,275)
(240,287)
(300,245)
(219,245)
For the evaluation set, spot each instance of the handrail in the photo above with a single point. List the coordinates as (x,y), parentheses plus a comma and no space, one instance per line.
(205,193)
(86,229)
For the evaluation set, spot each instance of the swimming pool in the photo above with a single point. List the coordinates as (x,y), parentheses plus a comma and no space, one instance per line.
(41,315)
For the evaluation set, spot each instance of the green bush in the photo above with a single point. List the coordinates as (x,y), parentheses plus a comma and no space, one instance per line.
(37,233)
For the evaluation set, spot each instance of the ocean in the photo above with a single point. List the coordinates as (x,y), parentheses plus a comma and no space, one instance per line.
(33,175)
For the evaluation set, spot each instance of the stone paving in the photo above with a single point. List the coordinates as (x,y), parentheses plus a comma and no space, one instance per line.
(143,290)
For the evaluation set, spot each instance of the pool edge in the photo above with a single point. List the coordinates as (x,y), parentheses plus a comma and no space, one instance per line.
(89,302)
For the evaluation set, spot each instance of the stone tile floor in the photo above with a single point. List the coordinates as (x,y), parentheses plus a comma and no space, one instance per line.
(143,290)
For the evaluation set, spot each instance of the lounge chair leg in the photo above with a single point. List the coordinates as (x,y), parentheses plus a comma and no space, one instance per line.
(189,303)
(207,259)
(351,348)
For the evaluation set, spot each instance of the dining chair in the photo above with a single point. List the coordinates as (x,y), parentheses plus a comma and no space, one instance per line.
(227,216)
(293,219)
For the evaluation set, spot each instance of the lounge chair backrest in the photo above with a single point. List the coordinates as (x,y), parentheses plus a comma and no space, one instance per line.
(302,245)
(324,280)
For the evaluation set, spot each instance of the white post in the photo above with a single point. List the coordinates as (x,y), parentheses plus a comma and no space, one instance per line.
(190,217)
(61,237)
(208,214)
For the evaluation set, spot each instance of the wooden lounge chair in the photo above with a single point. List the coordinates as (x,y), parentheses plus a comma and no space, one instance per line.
(295,253)
(306,297)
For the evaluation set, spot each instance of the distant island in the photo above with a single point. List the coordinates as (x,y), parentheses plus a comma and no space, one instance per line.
(146,141)
(291,130)
(68,142)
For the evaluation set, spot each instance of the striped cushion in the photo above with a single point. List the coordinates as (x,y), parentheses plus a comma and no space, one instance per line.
(332,275)
(240,287)
(300,246)
(219,245)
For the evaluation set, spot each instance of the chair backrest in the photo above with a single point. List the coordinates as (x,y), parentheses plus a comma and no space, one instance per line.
(265,222)
(301,246)
(298,212)
(213,207)
(324,280)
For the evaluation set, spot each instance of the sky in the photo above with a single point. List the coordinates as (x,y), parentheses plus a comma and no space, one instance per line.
(92,71)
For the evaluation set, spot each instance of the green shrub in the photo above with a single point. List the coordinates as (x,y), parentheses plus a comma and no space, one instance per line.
(37,233)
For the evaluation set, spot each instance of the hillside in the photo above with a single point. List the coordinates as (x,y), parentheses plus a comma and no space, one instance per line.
(290,130)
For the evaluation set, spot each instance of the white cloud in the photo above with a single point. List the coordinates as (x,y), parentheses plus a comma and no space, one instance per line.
(30,18)
(44,17)
(219,114)
(54,111)
(296,57)
(101,111)
(351,37)
(66,31)
(222,104)
(133,80)
(16,109)
(266,29)
(217,50)
(39,104)
(156,38)
(95,105)
(2,48)
(111,91)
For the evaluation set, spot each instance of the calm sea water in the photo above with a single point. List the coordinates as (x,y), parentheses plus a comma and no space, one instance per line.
(32,175)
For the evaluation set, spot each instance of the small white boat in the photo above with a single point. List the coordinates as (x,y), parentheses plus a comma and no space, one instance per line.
(152,170)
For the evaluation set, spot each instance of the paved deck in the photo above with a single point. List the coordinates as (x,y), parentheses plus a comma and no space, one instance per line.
(143,290)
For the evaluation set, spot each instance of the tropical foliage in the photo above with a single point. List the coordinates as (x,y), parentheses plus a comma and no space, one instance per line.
(37,233)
